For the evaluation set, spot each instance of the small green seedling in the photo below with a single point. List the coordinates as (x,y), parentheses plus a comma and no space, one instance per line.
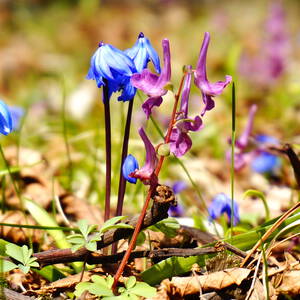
(101,287)
(20,254)
(89,236)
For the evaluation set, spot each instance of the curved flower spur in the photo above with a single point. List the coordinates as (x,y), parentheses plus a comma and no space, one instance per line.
(208,89)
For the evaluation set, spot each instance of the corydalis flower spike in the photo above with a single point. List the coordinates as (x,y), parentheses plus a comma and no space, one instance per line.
(152,84)
(146,173)
(6,125)
(130,165)
(142,52)
(208,89)
(180,142)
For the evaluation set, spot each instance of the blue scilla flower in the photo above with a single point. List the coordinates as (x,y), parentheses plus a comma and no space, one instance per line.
(16,113)
(129,166)
(142,52)
(263,161)
(6,125)
(221,204)
(112,67)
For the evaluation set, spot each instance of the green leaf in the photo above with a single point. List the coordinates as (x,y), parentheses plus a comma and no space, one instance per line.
(130,282)
(143,289)
(140,238)
(51,273)
(167,226)
(91,246)
(109,223)
(3,244)
(170,267)
(260,195)
(81,287)
(15,252)
(43,218)
(100,290)
(25,269)
(76,240)
(7,265)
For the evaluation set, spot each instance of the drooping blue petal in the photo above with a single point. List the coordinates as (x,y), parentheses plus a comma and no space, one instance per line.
(129,166)
(179,186)
(6,125)
(16,113)
(142,52)
(112,67)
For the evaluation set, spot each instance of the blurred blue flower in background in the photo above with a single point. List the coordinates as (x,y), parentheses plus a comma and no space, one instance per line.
(142,52)
(221,204)
(6,123)
(265,162)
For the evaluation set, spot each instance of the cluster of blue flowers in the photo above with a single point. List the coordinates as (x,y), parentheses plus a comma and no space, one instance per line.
(113,68)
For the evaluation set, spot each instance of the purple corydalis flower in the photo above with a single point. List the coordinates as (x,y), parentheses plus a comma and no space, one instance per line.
(152,84)
(146,173)
(130,165)
(270,61)
(221,204)
(243,140)
(6,124)
(142,52)
(207,88)
(180,142)
(112,67)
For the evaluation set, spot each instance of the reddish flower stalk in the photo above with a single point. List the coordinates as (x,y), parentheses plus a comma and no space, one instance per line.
(150,192)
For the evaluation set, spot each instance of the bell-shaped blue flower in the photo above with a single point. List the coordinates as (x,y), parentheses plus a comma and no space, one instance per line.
(129,166)
(112,67)
(6,125)
(16,113)
(222,204)
(142,52)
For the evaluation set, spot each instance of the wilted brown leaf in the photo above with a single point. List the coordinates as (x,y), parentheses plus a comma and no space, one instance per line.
(192,285)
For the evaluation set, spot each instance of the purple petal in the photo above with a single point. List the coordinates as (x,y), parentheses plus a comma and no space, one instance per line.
(180,142)
(146,173)
(152,84)
(150,103)
(214,89)
(209,103)
(242,141)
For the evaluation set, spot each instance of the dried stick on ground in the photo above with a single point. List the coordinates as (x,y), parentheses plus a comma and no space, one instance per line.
(158,212)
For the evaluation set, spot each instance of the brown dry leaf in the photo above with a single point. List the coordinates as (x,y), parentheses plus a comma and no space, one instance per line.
(78,209)
(36,182)
(290,283)
(18,235)
(215,281)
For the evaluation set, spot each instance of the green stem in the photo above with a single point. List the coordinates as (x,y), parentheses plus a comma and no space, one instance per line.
(65,136)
